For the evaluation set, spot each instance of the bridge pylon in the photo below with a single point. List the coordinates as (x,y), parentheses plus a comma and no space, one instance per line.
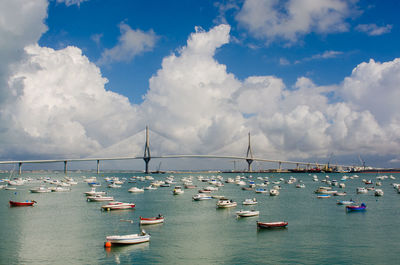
(146,156)
(249,155)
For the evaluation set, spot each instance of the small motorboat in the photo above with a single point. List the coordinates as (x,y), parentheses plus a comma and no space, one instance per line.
(177,190)
(345,202)
(378,192)
(261,190)
(362,190)
(274,192)
(270,225)
(201,197)
(40,189)
(361,207)
(250,201)
(300,186)
(340,194)
(152,220)
(323,196)
(243,213)
(18,204)
(93,192)
(114,185)
(118,206)
(129,239)
(135,190)
(226,203)
(100,198)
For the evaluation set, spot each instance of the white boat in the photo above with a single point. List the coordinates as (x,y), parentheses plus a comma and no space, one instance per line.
(152,220)
(59,189)
(226,203)
(151,187)
(250,201)
(274,192)
(362,190)
(114,185)
(345,202)
(129,239)
(135,190)
(93,192)
(100,198)
(118,206)
(178,190)
(40,189)
(243,213)
(300,186)
(378,192)
(201,197)
(260,190)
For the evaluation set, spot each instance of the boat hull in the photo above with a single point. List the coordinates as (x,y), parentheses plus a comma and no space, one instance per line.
(21,204)
(272,225)
(128,239)
(151,221)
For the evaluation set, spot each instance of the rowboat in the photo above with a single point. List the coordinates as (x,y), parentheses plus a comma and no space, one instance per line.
(25,203)
(251,213)
(118,206)
(272,224)
(152,220)
(361,207)
(129,239)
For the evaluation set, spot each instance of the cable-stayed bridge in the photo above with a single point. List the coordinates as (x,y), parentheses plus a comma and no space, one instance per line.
(147,157)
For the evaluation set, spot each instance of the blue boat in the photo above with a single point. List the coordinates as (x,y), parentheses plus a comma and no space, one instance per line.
(361,207)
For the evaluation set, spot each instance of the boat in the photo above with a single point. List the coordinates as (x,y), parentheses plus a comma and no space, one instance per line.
(118,206)
(151,187)
(378,192)
(129,239)
(201,197)
(18,204)
(362,190)
(178,190)
(270,225)
(59,189)
(152,220)
(226,203)
(40,189)
(93,192)
(250,201)
(99,198)
(323,196)
(114,185)
(361,207)
(261,190)
(300,186)
(340,194)
(345,202)
(274,192)
(135,190)
(244,213)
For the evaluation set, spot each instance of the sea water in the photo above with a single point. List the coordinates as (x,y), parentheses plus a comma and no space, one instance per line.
(63,228)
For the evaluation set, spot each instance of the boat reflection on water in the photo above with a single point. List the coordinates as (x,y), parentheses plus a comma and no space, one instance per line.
(125,251)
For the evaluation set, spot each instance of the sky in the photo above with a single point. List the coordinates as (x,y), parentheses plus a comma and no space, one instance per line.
(314,81)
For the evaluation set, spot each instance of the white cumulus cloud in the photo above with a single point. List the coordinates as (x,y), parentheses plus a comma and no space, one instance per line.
(292,19)
(130,44)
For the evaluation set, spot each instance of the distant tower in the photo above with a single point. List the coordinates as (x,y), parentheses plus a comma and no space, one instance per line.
(146,156)
(249,155)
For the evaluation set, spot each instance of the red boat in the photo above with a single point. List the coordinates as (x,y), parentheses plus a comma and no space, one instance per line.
(272,224)
(26,203)
(152,220)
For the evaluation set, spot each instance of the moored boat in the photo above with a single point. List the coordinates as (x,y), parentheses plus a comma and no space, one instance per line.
(361,207)
(201,197)
(226,203)
(244,213)
(18,204)
(40,189)
(135,190)
(178,190)
(345,202)
(270,225)
(250,201)
(100,198)
(129,239)
(118,206)
(274,192)
(378,192)
(152,220)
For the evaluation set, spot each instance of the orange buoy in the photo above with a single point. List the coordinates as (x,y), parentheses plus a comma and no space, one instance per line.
(107,244)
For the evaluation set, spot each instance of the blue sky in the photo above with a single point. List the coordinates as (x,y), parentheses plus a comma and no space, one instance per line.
(173,21)
(307,78)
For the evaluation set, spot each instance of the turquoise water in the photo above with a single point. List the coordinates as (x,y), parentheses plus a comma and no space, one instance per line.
(63,228)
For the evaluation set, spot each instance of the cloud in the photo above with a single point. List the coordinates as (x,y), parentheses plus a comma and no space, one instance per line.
(373,29)
(71,2)
(292,19)
(130,44)
(321,56)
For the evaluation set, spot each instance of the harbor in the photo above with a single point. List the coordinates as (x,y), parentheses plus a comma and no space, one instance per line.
(64,228)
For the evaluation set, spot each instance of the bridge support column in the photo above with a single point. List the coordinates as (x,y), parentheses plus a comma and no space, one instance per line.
(146,156)
(19,168)
(279,166)
(297,166)
(98,171)
(249,161)
(65,167)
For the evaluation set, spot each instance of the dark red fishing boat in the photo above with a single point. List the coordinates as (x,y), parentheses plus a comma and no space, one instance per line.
(272,224)
(25,203)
